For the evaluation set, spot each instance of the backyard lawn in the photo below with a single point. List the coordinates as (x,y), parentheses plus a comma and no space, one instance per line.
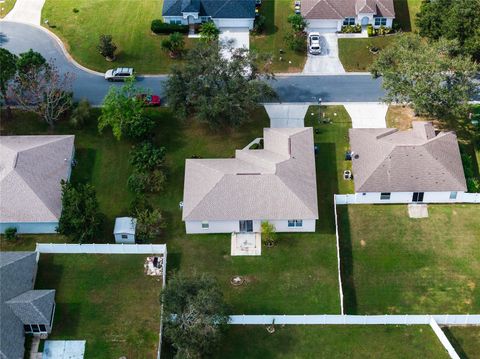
(127,21)
(106,300)
(6,7)
(272,41)
(355,54)
(394,264)
(465,340)
(406,11)
(386,342)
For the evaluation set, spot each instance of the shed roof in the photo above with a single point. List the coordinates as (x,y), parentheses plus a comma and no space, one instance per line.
(417,160)
(125,225)
(278,182)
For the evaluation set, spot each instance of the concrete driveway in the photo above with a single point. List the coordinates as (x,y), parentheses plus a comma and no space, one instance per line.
(26,11)
(286,115)
(367,115)
(237,37)
(326,63)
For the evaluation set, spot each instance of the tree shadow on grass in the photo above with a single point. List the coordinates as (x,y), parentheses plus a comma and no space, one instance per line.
(327,185)
(402,13)
(456,344)
(83,171)
(346,261)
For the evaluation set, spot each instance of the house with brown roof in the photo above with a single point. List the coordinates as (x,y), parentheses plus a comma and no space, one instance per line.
(331,15)
(275,184)
(31,169)
(417,165)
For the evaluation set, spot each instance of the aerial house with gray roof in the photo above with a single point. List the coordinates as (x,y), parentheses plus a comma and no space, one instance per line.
(417,165)
(23,310)
(31,169)
(275,184)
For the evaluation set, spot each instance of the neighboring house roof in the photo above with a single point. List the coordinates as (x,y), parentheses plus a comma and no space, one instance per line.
(17,274)
(278,182)
(31,168)
(340,9)
(417,160)
(34,306)
(125,225)
(234,9)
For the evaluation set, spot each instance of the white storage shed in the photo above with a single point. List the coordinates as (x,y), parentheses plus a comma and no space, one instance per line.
(124,230)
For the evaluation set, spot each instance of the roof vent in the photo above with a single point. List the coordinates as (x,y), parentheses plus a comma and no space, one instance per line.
(248,174)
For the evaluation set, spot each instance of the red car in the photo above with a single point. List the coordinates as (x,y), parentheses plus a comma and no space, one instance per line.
(150,100)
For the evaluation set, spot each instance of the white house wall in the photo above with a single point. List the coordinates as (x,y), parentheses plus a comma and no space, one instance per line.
(31,228)
(195,227)
(228,23)
(406,197)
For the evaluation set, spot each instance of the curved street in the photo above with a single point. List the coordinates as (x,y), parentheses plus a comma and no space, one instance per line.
(18,37)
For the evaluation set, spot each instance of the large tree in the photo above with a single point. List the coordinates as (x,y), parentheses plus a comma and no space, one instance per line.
(40,87)
(219,91)
(195,315)
(452,19)
(8,69)
(123,110)
(81,218)
(429,76)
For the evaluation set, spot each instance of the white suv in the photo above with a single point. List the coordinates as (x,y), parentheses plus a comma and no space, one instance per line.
(119,74)
(314,46)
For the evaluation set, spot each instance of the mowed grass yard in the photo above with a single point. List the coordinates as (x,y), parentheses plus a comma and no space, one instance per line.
(394,264)
(311,281)
(128,21)
(386,342)
(465,340)
(6,7)
(106,300)
(273,39)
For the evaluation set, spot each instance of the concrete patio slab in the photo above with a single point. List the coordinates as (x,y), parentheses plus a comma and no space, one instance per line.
(64,349)
(246,244)
(282,115)
(367,115)
(418,210)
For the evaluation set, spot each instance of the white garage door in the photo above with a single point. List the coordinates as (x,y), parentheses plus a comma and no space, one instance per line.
(322,25)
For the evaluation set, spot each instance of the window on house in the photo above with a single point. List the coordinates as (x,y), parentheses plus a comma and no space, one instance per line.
(27,328)
(385,195)
(124,236)
(176,22)
(35,328)
(205,225)
(295,223)
(453,195)
(379,21)
(43,329)
(349,21)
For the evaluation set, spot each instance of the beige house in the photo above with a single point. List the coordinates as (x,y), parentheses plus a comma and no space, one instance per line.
(417,165)
(275,184)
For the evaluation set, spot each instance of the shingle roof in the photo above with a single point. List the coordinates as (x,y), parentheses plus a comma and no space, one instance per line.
(214,8)
(340,9)
(31,168)
(418,160)
(278,182)
(17,274)
(34,306)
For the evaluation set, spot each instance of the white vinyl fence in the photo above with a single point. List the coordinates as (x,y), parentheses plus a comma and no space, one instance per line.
(334,319)
(65,248)
(443,339)
(353,199)
(338,255)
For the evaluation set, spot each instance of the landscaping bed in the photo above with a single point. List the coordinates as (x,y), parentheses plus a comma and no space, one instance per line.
(106,300)
(393,264)
(129,24)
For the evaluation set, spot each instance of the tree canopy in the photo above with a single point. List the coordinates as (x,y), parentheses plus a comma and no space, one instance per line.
(429,76)
(195,315)
(81,218)
(8,69)
(123,110)
(452,19)
(219,91)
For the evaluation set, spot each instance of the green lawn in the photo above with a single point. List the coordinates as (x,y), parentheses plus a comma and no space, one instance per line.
(355,54)
(272,41)
(6,7)
(295,342)
(465,340)
(106,300)
(127,21)
(406,11)
(394,264)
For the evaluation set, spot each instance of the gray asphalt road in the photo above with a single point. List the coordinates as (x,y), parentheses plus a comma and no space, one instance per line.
(343,88)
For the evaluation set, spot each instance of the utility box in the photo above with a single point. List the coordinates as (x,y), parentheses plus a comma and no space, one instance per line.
(124,230)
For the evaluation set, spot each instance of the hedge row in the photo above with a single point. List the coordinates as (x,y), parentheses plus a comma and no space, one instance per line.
(160,27)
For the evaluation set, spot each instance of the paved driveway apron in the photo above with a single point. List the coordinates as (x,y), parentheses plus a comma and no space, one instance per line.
(327,62)
(26,11)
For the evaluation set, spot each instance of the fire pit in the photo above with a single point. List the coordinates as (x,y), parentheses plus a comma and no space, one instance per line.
(237,281)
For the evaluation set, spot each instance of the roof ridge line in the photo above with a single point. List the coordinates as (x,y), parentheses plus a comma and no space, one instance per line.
(295,194)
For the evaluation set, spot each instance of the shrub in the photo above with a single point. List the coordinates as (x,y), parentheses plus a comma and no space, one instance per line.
(209,31)
(146,182)
(259,24)
(351,29)
(147,157)
(175,44)
(75,10)
(296,41)
(106,46)
(159,27)
(473,185)
(80,114)
(370,30)
(269,235)
(10,233)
